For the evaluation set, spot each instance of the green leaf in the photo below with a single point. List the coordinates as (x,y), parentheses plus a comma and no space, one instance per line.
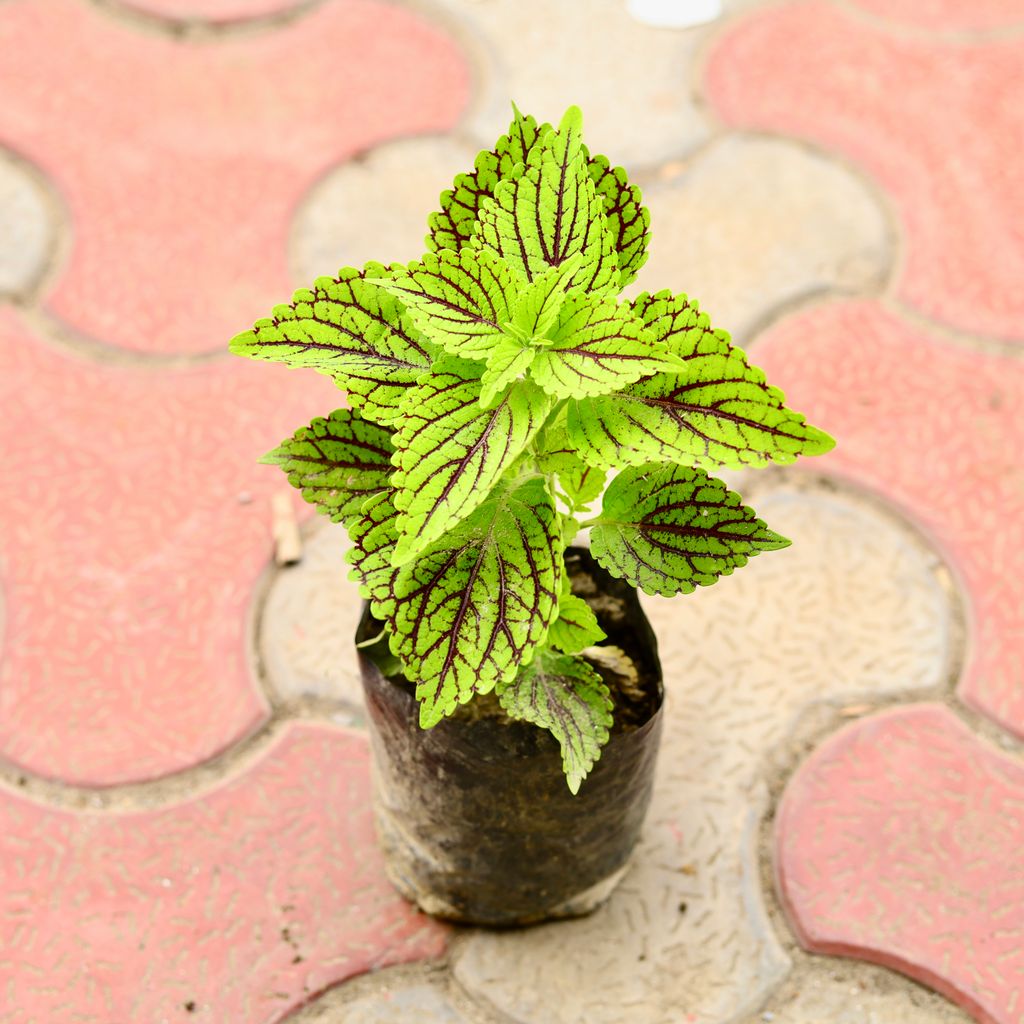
(451,451)
(373,543)
(567,697)
(719,412)
(551,212)
(536,312)
(507,362)
(580,481)
(350,330)
(337,463)
(670,529)
(473,608)
(628,219)
(458,300)
(452,227)
(576,626)
(536,309)
(598,346)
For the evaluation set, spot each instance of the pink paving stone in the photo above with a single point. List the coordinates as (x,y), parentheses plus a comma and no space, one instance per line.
(213,10)
(936,123)
(245,901)
(127,560)
(899,841)
(947,15)
(936,428)
(182,162)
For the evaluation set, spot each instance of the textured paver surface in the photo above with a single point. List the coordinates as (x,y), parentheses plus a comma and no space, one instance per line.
(135,524)
(900,840)
(185,829)
(237,904)
(28,227)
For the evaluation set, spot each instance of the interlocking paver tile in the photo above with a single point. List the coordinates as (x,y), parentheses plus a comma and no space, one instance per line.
(28,228)
(899,841)
(235,906)
(685,938)
(947,16)
(936,122)
(134,522)
(181,163)
(932,426)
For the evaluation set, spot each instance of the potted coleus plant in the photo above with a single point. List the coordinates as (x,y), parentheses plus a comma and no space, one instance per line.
(493,385)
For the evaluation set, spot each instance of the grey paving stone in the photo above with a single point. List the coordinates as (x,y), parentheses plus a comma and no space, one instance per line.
(27,233)
(855,609)
(385,1000)
(828,991)
(375,208)
(632,80)
(752,223)
(308,620)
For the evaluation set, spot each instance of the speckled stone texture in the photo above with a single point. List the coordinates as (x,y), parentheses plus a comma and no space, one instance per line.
(236,905)
(181,164)
(900,842)
(934,122)
(390,999)
(307,625)
(376,207)
(28,228)
(829,990)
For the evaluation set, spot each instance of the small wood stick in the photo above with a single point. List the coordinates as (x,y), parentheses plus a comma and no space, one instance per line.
(285,528)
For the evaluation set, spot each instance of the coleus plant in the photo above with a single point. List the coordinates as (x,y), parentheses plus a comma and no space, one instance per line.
(493,385)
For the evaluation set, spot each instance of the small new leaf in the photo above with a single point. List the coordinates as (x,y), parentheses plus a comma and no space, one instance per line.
(507,362)
(551,212)
(566,696)
(536,309)
(337,463)
(473,608)
(669,529)
(458,300)
(349,329)
(576,626)
(719,411)
(451,451)
(598,346)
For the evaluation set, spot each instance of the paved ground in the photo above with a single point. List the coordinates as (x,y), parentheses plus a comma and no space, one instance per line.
(184,831)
